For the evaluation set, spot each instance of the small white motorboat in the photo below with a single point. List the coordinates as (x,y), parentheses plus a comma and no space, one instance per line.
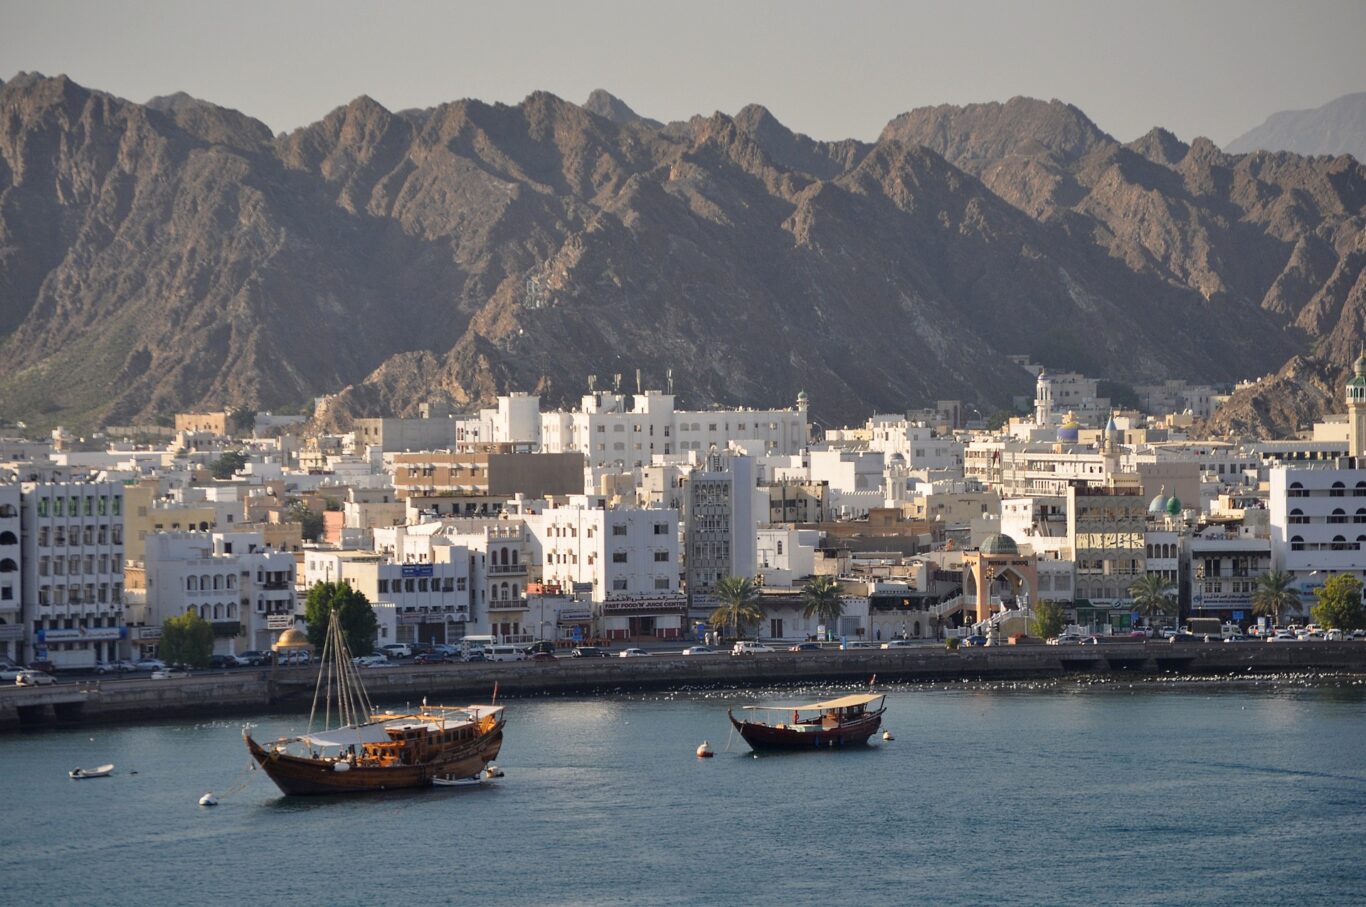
(82,773)
(488,774)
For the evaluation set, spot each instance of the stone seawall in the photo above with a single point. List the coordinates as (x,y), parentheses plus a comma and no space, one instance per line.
(243,692)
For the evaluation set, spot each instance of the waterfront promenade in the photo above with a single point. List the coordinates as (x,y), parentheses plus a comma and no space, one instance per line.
(215,694)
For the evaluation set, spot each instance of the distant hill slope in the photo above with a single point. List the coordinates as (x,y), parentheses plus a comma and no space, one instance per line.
(176,254)
(1338,127)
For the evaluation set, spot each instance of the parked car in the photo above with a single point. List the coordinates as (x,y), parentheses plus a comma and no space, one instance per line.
(225,661)
(33,679)
(747,647)
(632,653)
(473,655)
(150,664)
(254,658)
(397,650)
(1065,639)
(446,649)
(430,658)
(421,648)
(805,647)
(1283,636)
(900,644)
(975,641)
(10,673)
(589,652)
(371,661)
(169,674)
(700,650)
(115,667)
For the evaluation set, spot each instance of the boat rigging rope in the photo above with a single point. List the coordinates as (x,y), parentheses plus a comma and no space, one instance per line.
(239,785)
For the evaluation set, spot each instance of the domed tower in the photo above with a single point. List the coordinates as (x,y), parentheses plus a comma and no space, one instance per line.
(1356,408)
(1069,431)
(1043,399)
(803,401)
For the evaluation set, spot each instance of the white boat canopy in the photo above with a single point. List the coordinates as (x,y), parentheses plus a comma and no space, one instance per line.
(844,702)
(347,736)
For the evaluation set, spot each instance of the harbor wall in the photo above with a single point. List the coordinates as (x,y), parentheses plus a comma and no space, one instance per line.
(216,695)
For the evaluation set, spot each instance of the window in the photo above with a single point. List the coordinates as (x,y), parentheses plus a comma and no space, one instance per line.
(618,557)
(58,505)
(42,506)
(422,585)
(619,530)
(661,557)
(104,506)
(661,528)
(117,502)
(619,584)
(661,582)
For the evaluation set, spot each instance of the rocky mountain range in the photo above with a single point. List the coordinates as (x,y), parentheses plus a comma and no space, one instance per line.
(1338,127)
(176,254)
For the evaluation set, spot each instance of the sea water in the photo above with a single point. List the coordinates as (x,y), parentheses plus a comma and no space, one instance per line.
(1195,793)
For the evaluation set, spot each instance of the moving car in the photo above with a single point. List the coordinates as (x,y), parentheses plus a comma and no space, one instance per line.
(857,644)
(805,647)
(900,644)
(976,641)
(254,658)
(589,652)
(746,647)
(632,653)
(371,661)
(541,645)
(169,674)
(430,658)
(33,679)
(150,664)
(225,661)
(111,667)
(10,673)
(700,650)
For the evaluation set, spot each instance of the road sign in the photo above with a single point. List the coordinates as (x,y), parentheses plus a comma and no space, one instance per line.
(279,621)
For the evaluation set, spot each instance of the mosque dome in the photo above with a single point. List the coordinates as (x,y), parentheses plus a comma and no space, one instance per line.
(1158,505)
(998,543)
(1174,506)
(1068,431)
(292,638)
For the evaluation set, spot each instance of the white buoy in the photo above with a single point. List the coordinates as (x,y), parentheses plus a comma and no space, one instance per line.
(704,751)
(887,735)
(208,800)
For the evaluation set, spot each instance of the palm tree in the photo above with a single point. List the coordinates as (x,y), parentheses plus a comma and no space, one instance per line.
(823,600)
(1152,596)
(739,599)
(1274,595)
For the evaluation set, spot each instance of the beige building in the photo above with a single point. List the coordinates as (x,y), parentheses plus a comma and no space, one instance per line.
(203,423)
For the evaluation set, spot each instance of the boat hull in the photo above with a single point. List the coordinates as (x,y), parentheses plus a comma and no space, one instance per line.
(770,737)
(299,776)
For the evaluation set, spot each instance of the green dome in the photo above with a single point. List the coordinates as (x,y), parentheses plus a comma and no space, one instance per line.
(999,544)
(1174,506)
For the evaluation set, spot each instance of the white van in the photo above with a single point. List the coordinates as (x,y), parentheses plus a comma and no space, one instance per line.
(505,653)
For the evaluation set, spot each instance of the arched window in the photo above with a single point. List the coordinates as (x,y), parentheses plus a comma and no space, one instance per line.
(217,612)
(203,526)
(504,594)
(516,592)
(231,581)
(1339,543)
(1338,515)
(1338,490)
(514,556)
(191,584)
(191,609)
(8,538)
(8,566)
(1296,543)
(204,582)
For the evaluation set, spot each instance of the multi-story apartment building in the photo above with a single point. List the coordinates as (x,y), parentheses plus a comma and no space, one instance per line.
(720,520)
(437,478)
(1223,568)
(415,601)
(72,565)
(919,445)
(1105,529)
(11,574)
(628,557)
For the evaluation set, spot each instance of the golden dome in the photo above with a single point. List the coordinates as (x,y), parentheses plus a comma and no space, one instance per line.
(292,638)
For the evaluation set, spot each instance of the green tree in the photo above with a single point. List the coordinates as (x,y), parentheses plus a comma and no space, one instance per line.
(1049,619)
(186,639)
(226,466)
(358,622)
(311,523)
(1152,597)
(739,606)
(242,420)
(821,599)
(1339,604)
(1273,595)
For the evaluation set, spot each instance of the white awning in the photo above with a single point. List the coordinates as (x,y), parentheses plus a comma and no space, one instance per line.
(347,736)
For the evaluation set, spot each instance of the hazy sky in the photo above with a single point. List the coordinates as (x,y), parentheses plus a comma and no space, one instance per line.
(832,70)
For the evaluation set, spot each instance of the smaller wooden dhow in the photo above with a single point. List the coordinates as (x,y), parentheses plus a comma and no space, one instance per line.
(369,750)
(847,721)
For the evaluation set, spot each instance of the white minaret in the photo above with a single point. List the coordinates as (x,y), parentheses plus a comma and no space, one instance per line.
(1356,408)
(1043,399)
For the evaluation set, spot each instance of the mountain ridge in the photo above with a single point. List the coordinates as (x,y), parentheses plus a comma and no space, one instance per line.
(173,255)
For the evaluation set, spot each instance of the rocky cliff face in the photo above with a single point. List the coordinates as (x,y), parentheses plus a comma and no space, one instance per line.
(175,254)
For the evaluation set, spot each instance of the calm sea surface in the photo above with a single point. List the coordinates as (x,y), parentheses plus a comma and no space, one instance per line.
(1195,794)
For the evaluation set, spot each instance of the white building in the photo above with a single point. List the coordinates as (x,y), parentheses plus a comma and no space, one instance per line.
(72,567)
(722,510)
(11,574)
(418,601)
(1318,521)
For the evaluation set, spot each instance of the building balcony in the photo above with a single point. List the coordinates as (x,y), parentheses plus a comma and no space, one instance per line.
(507,569)
(508,604)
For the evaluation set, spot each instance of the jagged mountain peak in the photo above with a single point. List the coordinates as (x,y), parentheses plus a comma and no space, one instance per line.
(610,107)
(1160,146)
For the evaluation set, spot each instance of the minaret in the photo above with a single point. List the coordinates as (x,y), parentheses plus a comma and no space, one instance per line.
(1356,408)
(1043,399)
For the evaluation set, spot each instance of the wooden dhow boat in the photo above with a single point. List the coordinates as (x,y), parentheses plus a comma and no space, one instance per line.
(847,721)
(369,750)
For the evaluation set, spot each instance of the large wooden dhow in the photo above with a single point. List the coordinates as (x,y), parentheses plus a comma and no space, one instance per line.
(368,750)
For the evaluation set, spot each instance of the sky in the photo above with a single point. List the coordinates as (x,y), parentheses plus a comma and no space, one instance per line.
(831,70)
